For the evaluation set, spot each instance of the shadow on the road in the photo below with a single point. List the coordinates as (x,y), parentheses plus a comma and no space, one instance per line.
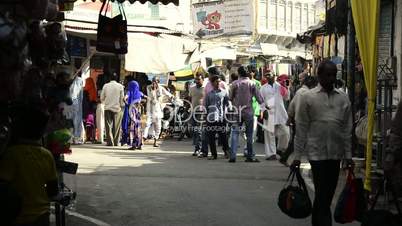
(168,186)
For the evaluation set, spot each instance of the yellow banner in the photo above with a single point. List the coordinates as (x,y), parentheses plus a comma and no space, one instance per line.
(184,72)
(365,16)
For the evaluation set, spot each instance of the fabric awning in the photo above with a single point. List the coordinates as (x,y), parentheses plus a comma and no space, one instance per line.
(309,35)
(83,21)
(184,75)
(157,54)
(185,72)
(165,2)
(269,49)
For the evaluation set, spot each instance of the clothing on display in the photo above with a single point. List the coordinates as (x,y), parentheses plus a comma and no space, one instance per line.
(90,87)
(74,111)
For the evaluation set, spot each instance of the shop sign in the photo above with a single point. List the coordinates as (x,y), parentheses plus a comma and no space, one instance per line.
(227,17)
(239,17)
(208,19)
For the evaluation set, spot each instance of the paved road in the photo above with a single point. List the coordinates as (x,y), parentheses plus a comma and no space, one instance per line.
(167,186)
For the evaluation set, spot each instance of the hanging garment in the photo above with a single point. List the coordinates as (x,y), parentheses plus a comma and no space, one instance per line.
(91,89)
(74,111)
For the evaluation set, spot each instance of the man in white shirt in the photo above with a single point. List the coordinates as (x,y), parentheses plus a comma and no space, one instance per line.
(196,96)
(308,83)
(275,124)
(323,133)
(155,93)
(112,97)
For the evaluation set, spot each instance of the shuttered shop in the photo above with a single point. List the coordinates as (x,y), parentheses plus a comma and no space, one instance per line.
(385,35)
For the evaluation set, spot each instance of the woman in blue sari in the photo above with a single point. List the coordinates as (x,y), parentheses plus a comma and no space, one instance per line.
(131,124)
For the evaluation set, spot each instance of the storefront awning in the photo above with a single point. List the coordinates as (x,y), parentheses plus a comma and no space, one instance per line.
(165,2)
(213,52)
(309,35)
(269,49)
(161,54)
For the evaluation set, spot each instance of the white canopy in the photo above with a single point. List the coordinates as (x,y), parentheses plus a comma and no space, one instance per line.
(213,51)
(146,53)
(220,53)
(269,49)
(162,54)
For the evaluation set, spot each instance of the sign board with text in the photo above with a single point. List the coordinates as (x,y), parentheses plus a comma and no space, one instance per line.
(208,19)
(225,17)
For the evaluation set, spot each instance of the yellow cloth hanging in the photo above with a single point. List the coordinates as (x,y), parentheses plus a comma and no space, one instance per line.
(365,16)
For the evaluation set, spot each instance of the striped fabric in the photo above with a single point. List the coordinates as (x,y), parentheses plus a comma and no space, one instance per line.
(165,2)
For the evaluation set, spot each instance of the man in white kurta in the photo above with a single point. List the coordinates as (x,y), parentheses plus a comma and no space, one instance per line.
(155,93)
(275,126)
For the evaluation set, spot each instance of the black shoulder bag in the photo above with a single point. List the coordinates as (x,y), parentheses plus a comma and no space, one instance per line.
(112,32)
(294,201)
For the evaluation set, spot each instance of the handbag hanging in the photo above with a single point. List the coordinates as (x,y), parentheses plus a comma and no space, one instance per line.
(294,201)
(112,32)
(351,203)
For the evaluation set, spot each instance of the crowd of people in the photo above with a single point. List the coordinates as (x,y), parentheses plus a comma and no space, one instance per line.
(237,107)
(117,111)
(218,108)
(318,117)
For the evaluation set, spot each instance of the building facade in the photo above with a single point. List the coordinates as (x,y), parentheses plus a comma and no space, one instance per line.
(279,22)
(286,17)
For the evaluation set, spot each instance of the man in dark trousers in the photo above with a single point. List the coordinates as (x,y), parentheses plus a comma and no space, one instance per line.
(196,94)
(112,97)
(323,133)
(216,103)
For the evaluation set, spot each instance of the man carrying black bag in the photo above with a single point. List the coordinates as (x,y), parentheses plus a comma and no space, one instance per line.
(323,132)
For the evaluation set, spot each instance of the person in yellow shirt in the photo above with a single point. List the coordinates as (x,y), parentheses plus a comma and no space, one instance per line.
(30,169)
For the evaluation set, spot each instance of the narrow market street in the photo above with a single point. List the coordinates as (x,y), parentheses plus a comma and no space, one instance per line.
(168,186)
(128,112)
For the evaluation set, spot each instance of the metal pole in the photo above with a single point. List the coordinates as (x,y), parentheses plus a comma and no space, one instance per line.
(351,66)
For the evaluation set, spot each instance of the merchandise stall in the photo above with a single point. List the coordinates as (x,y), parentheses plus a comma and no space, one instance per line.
(41,64)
